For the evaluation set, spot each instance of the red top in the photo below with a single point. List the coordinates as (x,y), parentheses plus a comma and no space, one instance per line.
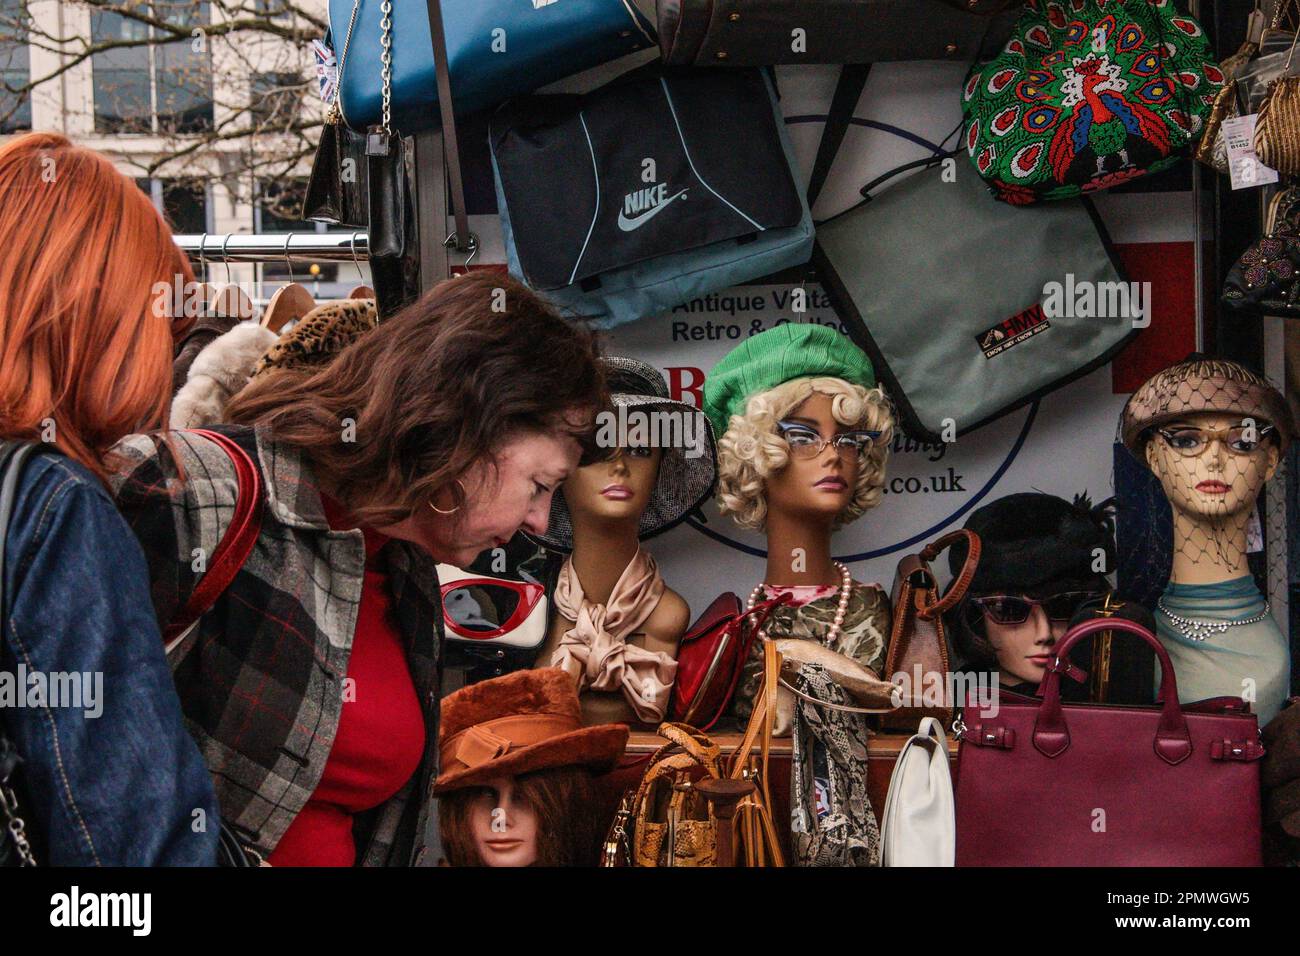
(380,737)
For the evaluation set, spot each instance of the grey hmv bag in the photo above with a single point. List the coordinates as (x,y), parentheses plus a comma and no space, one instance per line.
(969,307)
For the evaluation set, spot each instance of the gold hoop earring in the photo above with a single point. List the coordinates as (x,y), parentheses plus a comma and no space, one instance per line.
(450,511)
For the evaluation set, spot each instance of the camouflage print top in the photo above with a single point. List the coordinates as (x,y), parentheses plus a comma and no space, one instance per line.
(864,636)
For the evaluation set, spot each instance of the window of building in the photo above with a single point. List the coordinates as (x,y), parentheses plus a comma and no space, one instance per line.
(278,206)
(15,68)
(148,84)
(183,204)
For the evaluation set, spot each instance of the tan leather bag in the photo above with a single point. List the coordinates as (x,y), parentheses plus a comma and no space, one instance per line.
(671,824)
(757,842)
(917,642)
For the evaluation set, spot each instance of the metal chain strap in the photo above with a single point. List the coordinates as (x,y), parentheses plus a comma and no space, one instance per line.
(15,825)
(386,59)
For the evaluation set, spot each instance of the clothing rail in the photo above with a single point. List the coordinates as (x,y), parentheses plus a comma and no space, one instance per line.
(233,247)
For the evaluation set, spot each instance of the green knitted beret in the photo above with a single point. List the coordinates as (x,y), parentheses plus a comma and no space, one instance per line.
(786,352)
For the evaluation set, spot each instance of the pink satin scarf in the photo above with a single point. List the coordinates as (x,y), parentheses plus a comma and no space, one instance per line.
(595,651)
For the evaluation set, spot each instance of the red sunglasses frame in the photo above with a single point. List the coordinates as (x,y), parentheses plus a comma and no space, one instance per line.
(529,595)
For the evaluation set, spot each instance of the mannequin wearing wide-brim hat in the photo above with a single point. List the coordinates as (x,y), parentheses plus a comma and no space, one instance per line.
(809,384)
(617,624)
(516,773)
(1213,433)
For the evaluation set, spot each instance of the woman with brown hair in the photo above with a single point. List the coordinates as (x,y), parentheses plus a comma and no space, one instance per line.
(311,684)
(90,725)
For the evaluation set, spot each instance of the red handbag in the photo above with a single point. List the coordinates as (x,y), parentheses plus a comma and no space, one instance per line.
(710,657)
(1050,784)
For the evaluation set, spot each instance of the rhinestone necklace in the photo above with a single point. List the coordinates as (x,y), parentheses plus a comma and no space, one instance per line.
(1198,630)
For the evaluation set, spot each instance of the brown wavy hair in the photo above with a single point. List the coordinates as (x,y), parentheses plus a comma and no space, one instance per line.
(477,360)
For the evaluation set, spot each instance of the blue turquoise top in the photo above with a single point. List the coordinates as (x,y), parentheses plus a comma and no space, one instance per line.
(1251,661)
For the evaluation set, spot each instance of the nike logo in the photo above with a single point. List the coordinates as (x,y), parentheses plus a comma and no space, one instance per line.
(647,203)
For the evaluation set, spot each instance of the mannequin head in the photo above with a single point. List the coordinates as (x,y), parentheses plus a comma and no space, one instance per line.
(614,492)
(761,458)
(514,760)
(1213,465)
(1213,433)
(654,464)
(523,821)
(1041,559)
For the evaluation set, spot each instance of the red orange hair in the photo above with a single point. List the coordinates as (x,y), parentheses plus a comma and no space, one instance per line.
(85,339)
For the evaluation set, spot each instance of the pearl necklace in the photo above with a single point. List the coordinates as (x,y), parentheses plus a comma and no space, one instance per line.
(1197,630)
(846,587)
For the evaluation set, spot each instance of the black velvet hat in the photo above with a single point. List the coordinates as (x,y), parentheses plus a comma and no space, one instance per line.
(1038,544)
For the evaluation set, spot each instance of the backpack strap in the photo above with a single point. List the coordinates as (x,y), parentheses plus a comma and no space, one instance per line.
(235,545)
(848,90)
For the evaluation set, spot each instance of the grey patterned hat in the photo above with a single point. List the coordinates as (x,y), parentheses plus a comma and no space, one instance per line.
(688,469)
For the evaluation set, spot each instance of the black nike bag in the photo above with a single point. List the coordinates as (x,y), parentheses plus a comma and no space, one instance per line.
(659,187)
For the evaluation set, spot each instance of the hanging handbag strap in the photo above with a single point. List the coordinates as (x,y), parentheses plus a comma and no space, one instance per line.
(235,545)
(848,90)
(462,239)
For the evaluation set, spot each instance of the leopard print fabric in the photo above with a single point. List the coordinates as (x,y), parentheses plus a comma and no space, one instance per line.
(320,335)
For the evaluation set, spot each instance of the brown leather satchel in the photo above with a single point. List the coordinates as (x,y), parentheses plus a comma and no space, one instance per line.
(918,646)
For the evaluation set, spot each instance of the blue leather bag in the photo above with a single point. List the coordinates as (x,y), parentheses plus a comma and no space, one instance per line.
(496,49)
(659,187)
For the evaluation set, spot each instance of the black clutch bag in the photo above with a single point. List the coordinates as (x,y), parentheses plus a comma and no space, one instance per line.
(338,189)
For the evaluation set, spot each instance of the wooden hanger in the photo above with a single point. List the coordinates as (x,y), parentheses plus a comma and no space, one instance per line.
(290,303)
(232,301)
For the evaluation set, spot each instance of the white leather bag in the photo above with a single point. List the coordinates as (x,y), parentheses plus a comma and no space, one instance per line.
(919,825)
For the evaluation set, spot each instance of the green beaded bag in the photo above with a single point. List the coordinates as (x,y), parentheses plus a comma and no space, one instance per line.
(1087,94)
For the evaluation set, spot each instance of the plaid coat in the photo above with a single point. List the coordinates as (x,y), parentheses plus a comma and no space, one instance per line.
(261,678)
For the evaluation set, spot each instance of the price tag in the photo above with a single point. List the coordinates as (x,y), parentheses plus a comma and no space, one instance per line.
(1245,169)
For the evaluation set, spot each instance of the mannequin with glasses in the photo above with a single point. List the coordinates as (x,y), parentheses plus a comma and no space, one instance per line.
(1042,561)
(1213,433)
(804,435)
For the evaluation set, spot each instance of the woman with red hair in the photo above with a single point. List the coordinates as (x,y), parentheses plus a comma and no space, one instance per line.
(108,775)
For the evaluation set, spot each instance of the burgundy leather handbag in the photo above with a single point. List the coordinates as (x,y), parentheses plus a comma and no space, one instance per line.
(1050,784)
(710,658)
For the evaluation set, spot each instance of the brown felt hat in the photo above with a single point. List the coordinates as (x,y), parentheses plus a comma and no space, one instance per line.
(516,724)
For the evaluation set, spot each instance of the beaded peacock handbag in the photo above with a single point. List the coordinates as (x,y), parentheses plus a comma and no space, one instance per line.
(1087,94)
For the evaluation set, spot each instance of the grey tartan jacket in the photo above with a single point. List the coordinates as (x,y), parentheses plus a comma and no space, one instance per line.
(260,681)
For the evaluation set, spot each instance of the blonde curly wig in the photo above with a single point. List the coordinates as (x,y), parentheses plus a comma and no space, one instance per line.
(752,449)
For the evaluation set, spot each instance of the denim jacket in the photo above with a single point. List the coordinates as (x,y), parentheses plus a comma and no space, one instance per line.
(112,777)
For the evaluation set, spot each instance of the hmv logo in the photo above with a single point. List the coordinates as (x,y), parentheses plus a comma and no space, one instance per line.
(642,205)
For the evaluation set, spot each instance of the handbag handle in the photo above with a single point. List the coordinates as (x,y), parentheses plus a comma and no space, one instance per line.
(957,590)
(235,545)
(462,238)
(1173,742)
